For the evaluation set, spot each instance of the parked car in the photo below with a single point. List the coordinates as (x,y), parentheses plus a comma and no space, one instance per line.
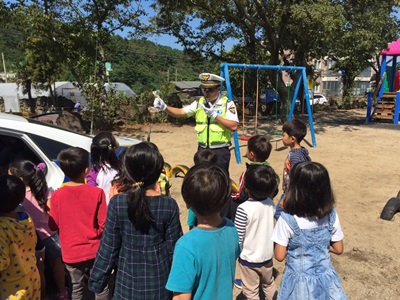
(318,99)
(37,141)
(268,95)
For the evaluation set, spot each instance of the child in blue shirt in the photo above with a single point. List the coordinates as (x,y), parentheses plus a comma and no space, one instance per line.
(203,266)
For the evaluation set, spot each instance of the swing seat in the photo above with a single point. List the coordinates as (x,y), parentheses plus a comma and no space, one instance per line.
(278,132)
(245,137)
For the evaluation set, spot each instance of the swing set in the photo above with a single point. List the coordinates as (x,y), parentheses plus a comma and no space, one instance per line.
(302,79)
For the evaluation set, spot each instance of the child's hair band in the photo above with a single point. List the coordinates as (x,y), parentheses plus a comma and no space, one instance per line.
(40,166)
(138,184)
(110,146)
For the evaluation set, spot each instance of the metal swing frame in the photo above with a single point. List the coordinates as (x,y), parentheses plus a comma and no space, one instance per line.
(302,79)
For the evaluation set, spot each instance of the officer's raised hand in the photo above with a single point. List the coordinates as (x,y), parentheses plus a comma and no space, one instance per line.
(210,112)
(160,104)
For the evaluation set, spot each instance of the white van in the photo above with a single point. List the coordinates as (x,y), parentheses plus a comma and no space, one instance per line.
(41,142)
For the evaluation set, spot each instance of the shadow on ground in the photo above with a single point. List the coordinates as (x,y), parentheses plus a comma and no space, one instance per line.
(350,120)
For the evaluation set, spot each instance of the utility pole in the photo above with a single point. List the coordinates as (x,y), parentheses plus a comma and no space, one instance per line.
(176,74)
(4,66)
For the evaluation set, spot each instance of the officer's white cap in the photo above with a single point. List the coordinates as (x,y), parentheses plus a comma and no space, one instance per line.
(208,79)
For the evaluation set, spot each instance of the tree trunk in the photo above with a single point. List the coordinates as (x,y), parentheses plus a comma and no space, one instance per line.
(32,102)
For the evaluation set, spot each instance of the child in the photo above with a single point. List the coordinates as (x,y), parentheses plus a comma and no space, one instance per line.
(258,150)
(141,230)
(205,258)
(200,157)
(254,222)
(293,133)
(163,181)
(164,184)
(35,204)
(104,161)
(79,212)
(40,255)
(205,156)
(306,232)
(18,272)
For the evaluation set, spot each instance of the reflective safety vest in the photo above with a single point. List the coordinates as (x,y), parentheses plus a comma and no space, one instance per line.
(211,134)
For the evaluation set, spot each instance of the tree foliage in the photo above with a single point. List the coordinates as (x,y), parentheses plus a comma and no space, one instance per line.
(368,29)
(72,39)
(282,32)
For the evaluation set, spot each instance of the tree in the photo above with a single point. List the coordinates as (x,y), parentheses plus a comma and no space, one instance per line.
(265,30)
(42,61)
(10,38)
(24,80)
(368,29)
(74,34)
(270,32)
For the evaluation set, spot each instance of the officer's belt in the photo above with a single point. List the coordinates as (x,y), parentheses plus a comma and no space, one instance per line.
(215,146)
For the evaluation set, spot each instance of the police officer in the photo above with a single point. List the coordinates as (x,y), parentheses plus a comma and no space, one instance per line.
(216,118)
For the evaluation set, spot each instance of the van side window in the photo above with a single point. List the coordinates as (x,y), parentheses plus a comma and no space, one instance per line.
(49,147)
(13,148)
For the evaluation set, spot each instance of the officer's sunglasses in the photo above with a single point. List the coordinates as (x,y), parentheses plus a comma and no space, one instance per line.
(208,89)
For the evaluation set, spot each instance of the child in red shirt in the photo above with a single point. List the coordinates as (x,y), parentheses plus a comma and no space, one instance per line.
(78,211)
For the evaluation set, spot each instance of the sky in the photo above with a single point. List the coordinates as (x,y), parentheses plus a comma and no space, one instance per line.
(170,41)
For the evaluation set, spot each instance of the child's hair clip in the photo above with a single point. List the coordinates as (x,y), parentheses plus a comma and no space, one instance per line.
(40,166)
(138,184)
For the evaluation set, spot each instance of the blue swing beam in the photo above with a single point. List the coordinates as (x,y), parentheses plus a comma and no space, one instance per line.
(303,78)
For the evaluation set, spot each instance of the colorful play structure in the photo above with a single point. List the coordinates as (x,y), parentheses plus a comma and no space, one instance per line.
(384,103)
(302,80)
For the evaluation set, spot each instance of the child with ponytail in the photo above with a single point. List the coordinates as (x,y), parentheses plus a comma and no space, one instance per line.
(141,230)
(104,161)
(35,204)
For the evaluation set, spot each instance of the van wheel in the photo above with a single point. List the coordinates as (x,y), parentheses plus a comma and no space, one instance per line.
(390,209)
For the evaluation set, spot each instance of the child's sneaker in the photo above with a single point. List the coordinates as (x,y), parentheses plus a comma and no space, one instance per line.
(238,283)
(63,296)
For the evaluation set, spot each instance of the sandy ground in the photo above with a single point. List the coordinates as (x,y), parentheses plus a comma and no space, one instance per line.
(364,164)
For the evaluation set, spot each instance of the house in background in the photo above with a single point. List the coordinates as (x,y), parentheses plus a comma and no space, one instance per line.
(7,76)
(188,88)
(330,82)
(12,94)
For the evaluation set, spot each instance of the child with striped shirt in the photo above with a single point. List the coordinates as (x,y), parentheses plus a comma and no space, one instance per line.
(254,222)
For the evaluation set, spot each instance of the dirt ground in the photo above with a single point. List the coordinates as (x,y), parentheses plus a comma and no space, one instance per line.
(364,164)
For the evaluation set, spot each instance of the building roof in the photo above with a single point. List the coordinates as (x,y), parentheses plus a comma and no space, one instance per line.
(12,93)
(393,49)
(120,87)
(185,85)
